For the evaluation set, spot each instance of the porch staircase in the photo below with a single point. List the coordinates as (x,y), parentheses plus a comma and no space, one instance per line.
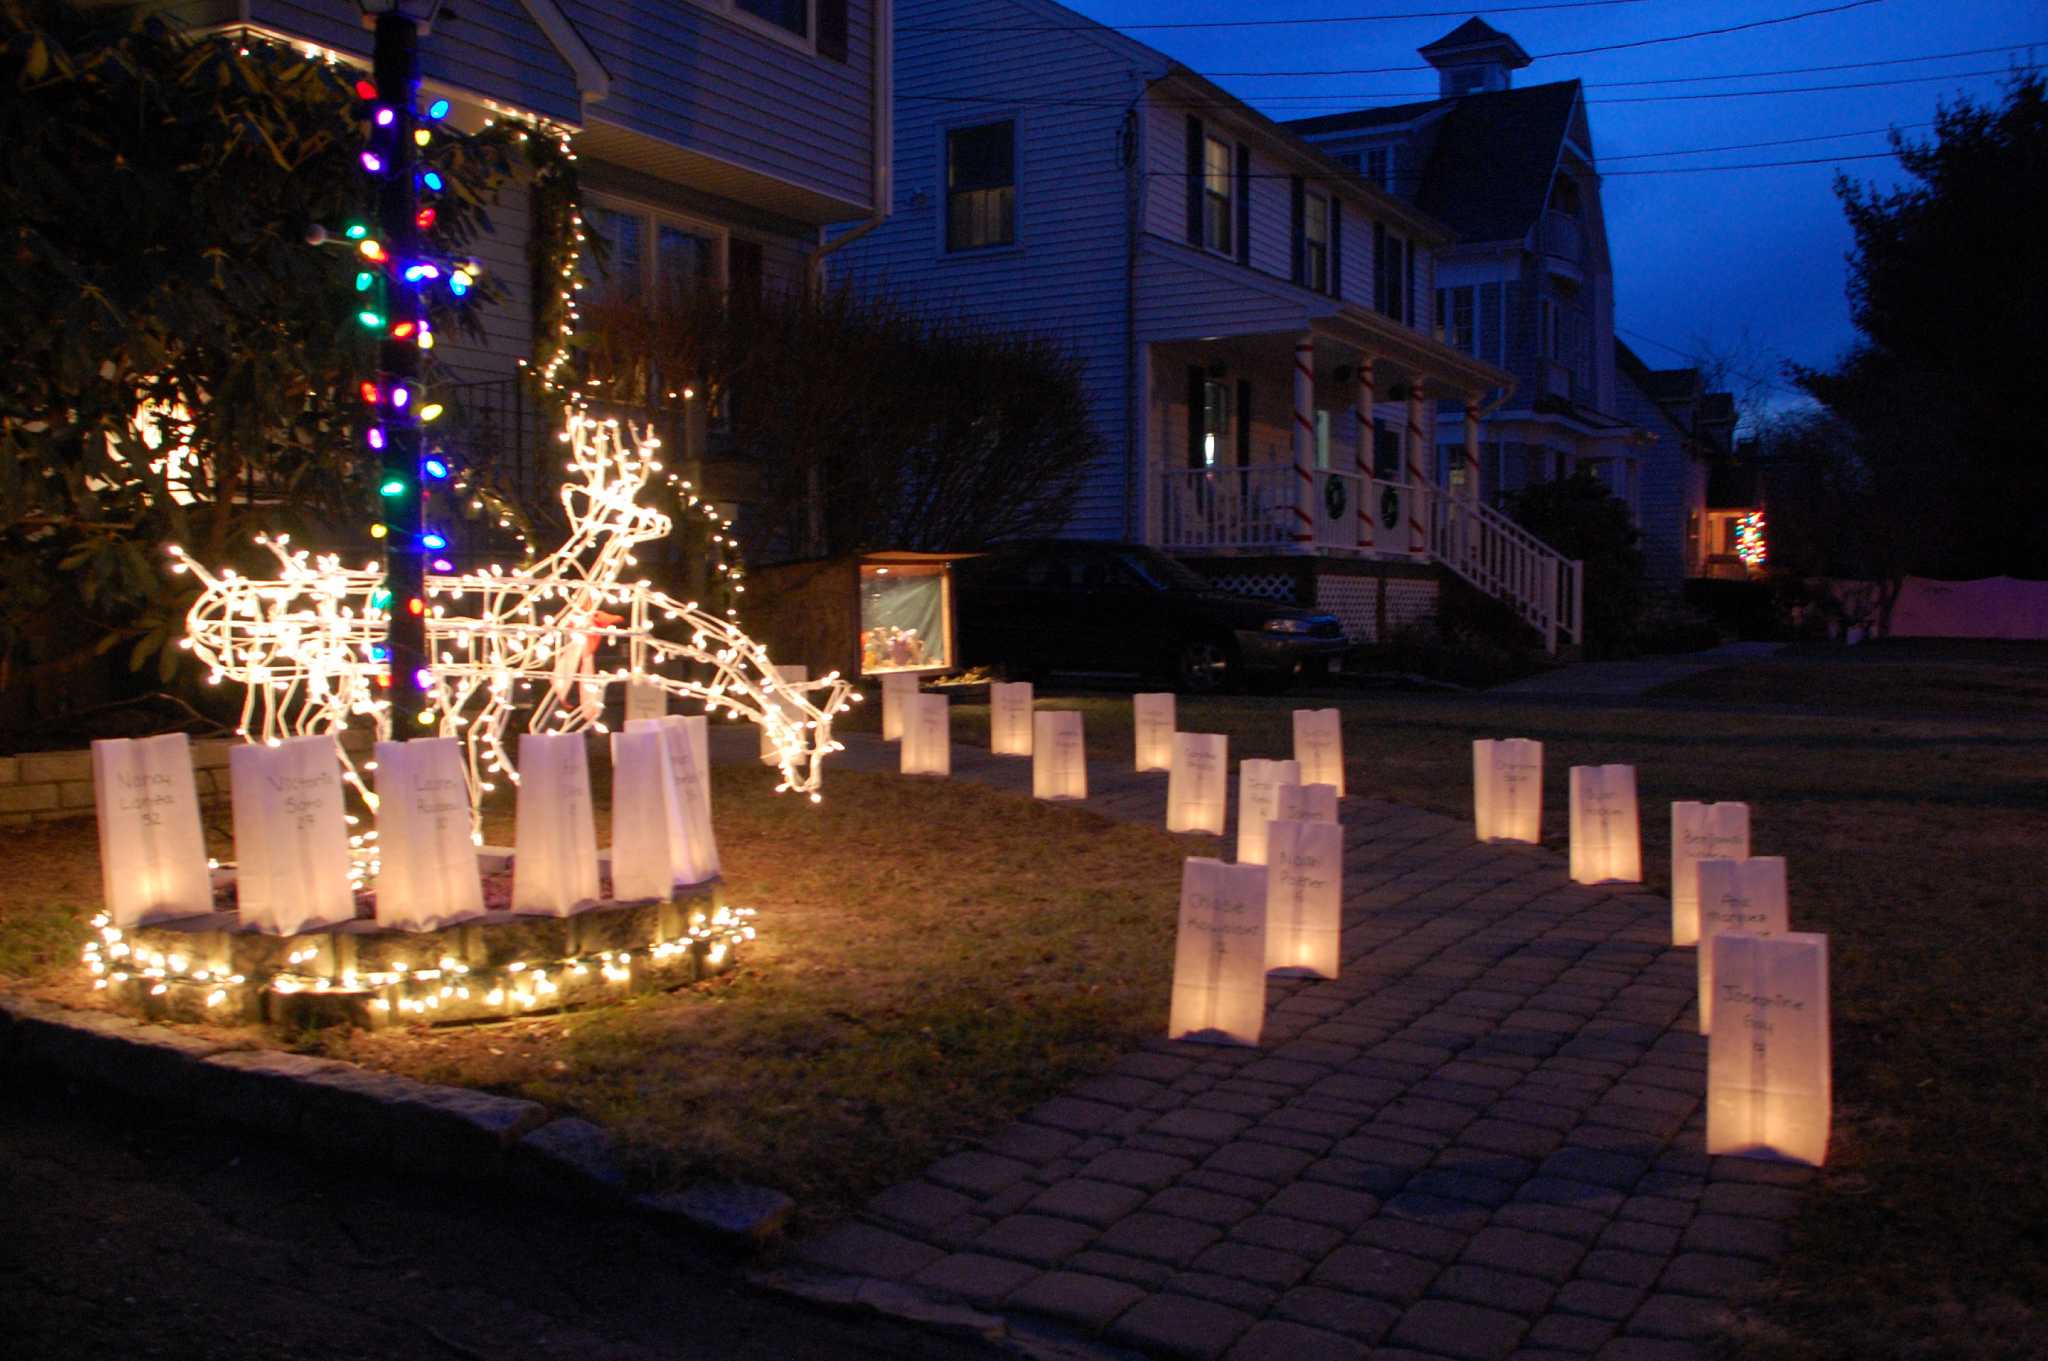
(1269,509)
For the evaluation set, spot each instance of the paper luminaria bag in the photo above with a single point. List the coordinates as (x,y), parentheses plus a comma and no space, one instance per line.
(770,753)
(1769,1084)
(554,860)
(896,687)
(1258,795)
(1701,831)
(1219,953)
(152,851)
(1198,785)
(1152,722)
(927,735)
(643,795)
(1737,895)
(1607,838)
(644,701)
(1319,747)
(685,746)
(1305,803)
(1059,758)
(427,874)
(1507,789)
(291,835)
(1009,718)
(1304,897)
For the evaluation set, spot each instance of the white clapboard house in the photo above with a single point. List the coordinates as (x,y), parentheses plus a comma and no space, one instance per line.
(1257,318)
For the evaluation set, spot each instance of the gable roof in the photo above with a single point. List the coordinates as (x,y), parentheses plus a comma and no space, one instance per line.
(1494,153)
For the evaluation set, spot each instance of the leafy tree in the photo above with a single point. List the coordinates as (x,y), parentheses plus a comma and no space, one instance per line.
(1948,283)
(861,424)
(1838,515)
(1581,519)
(178,362)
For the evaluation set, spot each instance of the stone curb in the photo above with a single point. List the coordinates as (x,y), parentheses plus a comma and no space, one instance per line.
(338,1108)
(1034,1339)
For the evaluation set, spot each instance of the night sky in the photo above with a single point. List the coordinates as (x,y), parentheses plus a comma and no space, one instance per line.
(1747,263)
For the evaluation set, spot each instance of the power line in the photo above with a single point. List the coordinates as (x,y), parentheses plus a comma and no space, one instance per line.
(1355,97)
(1089,25)
(1712,32)
(1750,146)
(1670,80)
(1752,165)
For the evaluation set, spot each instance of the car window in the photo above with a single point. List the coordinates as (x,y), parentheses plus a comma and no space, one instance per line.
(1047,572)
(1163,573)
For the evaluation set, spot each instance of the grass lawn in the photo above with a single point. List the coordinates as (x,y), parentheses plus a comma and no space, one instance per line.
(918,981)
(935,957)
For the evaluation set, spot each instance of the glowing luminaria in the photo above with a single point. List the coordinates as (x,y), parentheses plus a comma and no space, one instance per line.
(305,643)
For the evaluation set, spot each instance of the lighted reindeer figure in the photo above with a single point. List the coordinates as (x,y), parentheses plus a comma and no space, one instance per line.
(307,644)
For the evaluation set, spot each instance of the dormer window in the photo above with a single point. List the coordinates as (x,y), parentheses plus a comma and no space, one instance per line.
(1564,197)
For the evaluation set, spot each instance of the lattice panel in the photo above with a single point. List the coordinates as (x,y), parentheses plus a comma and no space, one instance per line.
(1409,599)
(1355,602)
(1265,585)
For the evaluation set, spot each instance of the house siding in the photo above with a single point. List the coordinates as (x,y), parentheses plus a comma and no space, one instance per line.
(1065,276)
(493,49)
(1672,484)
(688,75)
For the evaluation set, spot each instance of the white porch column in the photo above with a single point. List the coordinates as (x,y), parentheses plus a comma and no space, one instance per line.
(1472,448)
(1418,476)
(1304,443)
(1362,454)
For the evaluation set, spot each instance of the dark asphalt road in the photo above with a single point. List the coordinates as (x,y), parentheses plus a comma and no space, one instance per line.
(126,1234)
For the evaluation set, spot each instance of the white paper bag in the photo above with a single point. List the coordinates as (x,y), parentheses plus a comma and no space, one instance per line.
(1304,897)
(1701,831)
(896,686)
(1737,895)
(693,850)
(1009,718)
(771,751)
(1198,785)
(1319,747)
(1219,953)
(1059,757)
(426,855)
(1258,803)
(1607,846)
(152,851)
(927,735)
(1507,789)
(645,701)
(643,791)
(1153,722)
(1305,803)
(554,861)
(291,835)
(1769,1079)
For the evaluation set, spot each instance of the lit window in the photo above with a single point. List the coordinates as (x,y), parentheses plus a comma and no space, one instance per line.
(1215,420)
(1216,189)
(981,186)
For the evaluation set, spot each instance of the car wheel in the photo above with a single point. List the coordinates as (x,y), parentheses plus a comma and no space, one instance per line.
(1203,667)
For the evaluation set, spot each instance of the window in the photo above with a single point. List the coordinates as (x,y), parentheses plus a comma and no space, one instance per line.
(794,15)
(981,186)
(1392,275)
(1459,318)
(684,255)
(1216,190)
(1322,438)
(1351,161)
(1379,166)
(1215,421)
(1315,233)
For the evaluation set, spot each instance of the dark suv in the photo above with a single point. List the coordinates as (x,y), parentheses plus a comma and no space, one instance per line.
(1080,606)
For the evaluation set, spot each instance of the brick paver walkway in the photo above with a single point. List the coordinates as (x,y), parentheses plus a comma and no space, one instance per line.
(1483,1141)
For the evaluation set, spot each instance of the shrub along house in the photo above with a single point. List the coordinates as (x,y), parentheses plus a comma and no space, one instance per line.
(713,139)
(1255,319)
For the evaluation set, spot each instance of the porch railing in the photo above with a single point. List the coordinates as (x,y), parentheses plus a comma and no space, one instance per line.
(1270,508)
